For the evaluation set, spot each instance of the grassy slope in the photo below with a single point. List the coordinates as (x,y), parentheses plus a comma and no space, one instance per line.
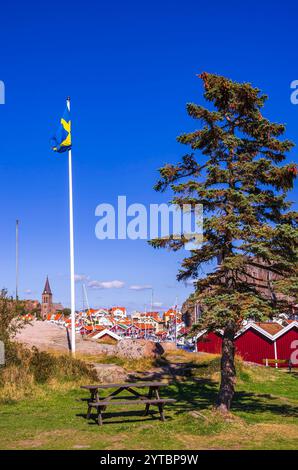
(265,412)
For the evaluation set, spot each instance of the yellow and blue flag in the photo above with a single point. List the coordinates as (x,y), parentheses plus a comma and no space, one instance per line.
(61,142)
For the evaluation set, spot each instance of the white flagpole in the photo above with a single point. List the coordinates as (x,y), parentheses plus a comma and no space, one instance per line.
(176,306)
(71,246)
(17,260)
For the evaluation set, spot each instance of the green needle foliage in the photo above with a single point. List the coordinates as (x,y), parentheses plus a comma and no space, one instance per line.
(235,168)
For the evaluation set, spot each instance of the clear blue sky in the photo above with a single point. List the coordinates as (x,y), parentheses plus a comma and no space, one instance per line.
(129,68)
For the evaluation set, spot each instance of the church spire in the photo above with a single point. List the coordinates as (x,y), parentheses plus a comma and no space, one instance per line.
(47,288)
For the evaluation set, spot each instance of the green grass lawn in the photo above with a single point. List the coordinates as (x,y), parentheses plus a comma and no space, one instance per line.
(264,415)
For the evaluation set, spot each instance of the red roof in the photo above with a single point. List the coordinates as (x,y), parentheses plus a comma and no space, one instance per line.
(154,315)
(93,333)
(183,331)
(270,327)
(123,309)
(144,326)
(99,327)
(91,311)
(88,327)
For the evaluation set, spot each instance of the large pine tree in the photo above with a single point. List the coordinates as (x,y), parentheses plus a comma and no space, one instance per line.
(236,169)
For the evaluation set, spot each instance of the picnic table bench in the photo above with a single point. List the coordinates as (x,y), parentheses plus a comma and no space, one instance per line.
(101,403)
(276,362)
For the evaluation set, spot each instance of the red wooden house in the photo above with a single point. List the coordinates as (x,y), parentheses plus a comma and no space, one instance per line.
(258,342)
(133,331)
(119,329)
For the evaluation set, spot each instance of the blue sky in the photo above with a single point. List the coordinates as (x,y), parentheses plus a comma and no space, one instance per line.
(130,68)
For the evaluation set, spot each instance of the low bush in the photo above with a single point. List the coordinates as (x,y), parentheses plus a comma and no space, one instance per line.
(24,369)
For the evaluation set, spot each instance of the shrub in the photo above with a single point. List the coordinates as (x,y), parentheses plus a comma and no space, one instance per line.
(45,366)
(25,368)
(42,366)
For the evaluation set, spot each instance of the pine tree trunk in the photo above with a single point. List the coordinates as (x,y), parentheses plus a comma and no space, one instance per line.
(228,371)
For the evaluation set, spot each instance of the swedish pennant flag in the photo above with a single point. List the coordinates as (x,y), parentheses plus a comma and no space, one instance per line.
(61,142)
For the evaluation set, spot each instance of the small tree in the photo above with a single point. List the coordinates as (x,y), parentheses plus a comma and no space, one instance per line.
(10,317)
(66,312)
(241,182)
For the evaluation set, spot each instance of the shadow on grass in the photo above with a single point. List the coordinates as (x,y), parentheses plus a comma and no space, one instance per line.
(293,373)
(165,369)
(192,389)
(198,392)
(201,393)
(124,417)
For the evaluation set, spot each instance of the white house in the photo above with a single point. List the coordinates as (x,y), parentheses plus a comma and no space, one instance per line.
(119,312)
(106,335)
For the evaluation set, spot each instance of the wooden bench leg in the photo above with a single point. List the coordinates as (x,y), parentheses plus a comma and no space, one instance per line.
(93,398)
(99,417)
(89,411)
(150,394)
(162,415)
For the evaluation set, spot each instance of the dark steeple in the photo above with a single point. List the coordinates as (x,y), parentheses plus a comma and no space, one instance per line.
(47,289)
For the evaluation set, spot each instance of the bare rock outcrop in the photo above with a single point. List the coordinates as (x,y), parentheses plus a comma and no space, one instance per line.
(168,346)
(138,348)
(47,336)
(109,373)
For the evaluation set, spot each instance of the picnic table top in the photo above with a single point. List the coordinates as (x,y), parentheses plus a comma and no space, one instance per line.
(126,385)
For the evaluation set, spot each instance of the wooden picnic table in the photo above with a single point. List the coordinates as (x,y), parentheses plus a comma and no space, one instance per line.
(150,398)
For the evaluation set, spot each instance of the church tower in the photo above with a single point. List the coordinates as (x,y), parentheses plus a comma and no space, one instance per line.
(46,300)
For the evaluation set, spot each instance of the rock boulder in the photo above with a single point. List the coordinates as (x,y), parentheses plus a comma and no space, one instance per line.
(138,349)
(110,373)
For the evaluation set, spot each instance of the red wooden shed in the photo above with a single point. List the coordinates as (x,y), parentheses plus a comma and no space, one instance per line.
(287,343)
(256,342)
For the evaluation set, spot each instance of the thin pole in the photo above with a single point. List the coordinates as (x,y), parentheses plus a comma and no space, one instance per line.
(145,321)
(151,299)
(17,259)
(88,306)
(83,299)
(71,249)
(176,306)
(86,297)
